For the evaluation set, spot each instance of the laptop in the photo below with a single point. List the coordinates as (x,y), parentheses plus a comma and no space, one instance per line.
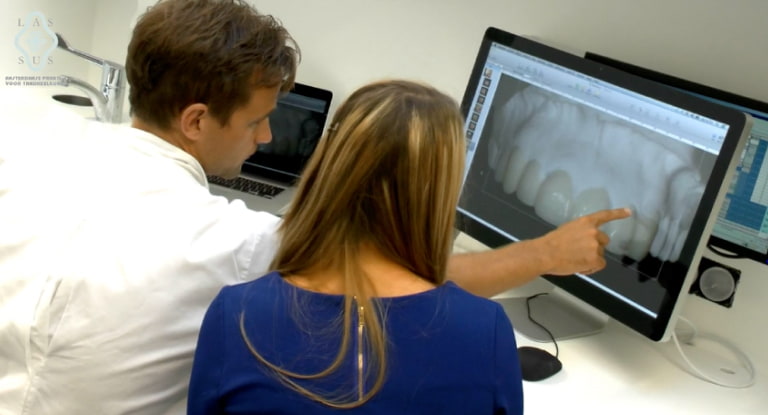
(268,178)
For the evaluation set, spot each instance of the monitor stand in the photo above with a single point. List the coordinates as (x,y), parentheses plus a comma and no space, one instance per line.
(561,315)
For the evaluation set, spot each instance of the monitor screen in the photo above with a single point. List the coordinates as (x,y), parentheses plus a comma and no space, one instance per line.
(297,125)
(552,136)
(742,220)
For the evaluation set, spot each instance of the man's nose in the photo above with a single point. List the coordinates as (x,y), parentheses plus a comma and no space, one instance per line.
(264,134)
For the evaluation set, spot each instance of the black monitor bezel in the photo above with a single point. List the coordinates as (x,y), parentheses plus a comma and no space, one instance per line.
(672,81)
(654,329)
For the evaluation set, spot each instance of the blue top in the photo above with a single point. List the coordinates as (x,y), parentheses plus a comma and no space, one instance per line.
(449,352)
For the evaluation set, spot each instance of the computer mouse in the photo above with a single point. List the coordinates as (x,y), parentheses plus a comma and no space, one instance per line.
(537,364)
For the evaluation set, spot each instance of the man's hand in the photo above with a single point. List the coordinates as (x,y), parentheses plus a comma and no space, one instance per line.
(579,245)
(576,246)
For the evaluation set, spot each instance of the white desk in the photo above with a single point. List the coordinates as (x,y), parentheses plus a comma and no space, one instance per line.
(619,372)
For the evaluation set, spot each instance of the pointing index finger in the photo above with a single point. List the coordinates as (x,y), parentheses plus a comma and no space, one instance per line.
(602,216)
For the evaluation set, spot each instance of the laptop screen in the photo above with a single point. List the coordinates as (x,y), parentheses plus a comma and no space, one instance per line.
(297,125)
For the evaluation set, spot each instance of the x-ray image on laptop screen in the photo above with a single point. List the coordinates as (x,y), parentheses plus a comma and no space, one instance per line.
(297,125)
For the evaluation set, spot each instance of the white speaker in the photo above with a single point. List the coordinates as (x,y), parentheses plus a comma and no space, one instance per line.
(716,282)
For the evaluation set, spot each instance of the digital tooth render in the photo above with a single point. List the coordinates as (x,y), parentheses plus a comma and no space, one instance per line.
(534,137)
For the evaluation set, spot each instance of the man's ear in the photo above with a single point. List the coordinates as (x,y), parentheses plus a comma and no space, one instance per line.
(193,119)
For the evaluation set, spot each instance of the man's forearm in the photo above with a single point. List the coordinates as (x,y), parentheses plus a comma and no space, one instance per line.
(575,246)
(490,272)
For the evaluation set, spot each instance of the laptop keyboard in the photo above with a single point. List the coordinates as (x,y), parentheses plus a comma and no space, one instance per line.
(248,186)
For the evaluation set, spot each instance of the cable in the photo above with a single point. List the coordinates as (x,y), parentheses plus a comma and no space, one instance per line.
(688,336)
(747,363)
(530,317)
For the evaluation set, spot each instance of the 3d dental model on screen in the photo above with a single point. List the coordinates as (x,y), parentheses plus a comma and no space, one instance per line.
(566,159)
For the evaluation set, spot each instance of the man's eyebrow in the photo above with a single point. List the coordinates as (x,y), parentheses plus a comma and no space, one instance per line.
(264,117)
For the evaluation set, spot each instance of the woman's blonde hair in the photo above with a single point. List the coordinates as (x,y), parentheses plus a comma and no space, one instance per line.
(385,175)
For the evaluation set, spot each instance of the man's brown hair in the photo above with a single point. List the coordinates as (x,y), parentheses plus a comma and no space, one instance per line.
(213,52)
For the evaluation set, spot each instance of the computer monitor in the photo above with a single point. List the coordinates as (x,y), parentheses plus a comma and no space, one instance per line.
(742,221)
(552,136)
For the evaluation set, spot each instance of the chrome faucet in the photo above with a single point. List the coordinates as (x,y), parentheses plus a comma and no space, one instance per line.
(107,102)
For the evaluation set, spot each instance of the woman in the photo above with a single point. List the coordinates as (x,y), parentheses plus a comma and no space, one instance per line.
(357,313)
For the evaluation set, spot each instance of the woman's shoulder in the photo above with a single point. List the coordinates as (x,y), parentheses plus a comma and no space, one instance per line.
(470,312)
(262,287)
(459,297)
(447,307)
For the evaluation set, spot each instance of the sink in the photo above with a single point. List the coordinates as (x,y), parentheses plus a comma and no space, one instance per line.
(73,100)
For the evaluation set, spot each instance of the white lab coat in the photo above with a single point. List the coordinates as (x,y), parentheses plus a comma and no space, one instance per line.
(111,248)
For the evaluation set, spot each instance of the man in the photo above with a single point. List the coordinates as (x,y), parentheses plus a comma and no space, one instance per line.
(109,259)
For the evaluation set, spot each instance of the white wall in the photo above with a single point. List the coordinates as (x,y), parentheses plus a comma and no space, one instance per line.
(73,19)
(111,30)
(348,42)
